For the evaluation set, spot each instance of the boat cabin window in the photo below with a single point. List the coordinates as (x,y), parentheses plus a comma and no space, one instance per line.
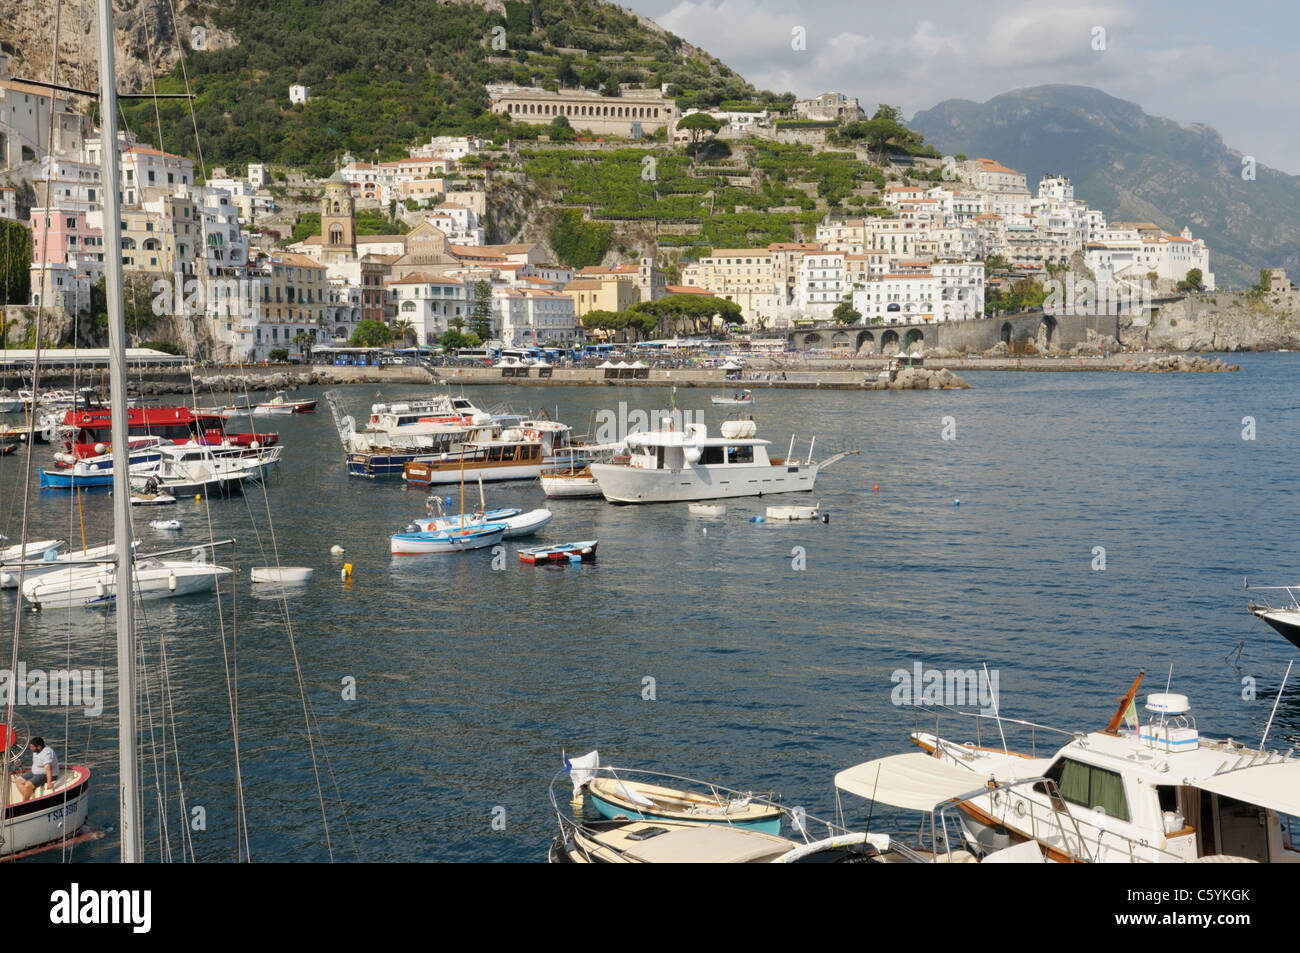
(740,454)
(1090,787)
(1290,832)
(711,456)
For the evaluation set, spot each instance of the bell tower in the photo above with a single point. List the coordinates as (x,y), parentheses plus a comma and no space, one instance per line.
(338,222)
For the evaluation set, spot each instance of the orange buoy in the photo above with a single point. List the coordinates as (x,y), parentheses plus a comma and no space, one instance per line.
(875,488)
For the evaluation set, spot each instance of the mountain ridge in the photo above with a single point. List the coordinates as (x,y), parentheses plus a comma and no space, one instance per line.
(1134,166)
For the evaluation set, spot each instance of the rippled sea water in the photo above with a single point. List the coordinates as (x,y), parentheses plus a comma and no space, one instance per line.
(470,681)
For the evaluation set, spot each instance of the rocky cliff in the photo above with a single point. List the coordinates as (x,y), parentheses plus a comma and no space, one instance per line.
(1219,322)
(149,39)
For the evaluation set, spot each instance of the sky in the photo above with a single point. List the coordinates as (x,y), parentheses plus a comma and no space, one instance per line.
(1231,66)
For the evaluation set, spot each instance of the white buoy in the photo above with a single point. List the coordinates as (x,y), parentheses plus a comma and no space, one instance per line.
(336,549)
(704,530)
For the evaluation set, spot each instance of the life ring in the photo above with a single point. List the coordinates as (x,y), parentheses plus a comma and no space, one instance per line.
(534,436)
(1020,809)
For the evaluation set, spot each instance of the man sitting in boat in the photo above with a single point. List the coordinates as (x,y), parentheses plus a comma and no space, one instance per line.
(45,769)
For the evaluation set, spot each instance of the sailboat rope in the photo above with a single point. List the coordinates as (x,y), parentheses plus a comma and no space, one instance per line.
(36,373)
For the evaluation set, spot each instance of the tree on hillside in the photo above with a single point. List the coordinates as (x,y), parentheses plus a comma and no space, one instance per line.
(699,125)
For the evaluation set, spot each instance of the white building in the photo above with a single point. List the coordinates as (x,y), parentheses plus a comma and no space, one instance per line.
(449,147)
(25,122)
(950,291)
(299,94)
(257,175)
(8,202)
(822,283)
(532,317)
(430,302)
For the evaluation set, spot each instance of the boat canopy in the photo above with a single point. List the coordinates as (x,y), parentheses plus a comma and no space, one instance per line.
(706,843)
(1275,786)
(912,781)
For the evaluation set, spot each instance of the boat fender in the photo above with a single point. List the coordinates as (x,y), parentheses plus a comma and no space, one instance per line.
(171,581)
(336,550)
(575,558)
(826,518)
(100,449)
(758,519)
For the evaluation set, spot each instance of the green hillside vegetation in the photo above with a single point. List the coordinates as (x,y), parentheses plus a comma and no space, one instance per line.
(643,184)
(386,76)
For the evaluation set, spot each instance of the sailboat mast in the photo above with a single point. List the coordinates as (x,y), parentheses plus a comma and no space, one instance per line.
(129,806)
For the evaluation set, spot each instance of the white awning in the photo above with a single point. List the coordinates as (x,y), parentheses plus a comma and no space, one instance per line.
(1275,786)
(912,781)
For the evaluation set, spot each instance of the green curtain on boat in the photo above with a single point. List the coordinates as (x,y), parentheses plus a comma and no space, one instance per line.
(1092,787)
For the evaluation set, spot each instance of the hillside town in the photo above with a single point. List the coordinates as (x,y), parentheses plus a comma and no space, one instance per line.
(931,252)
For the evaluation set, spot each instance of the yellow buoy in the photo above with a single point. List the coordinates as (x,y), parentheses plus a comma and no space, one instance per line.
(198,497)
(347,571)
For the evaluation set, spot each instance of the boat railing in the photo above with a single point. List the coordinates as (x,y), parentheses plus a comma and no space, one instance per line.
(1000,724)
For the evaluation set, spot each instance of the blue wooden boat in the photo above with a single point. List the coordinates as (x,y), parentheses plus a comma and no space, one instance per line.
(472,536)
(620,798)
(60,479)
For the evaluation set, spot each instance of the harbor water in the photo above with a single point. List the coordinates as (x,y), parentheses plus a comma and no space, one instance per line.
(1064,530)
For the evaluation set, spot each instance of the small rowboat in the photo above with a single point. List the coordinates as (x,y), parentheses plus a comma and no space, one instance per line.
(622,799)
(151,499)
(794,512)
(562,553)
(165,525)
(281,574)
(572,483)
(475,536)
(280,406)
(744,399)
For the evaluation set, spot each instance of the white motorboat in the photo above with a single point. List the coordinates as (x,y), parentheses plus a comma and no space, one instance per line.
(513,457)
(32,551)
(1153,792)
(194,468)
(685,465)
(287,575)
(51,560)
(166,526)
(1283,619)
(97,586)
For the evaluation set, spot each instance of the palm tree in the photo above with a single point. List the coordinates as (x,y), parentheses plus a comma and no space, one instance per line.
(404,329)
(302,339)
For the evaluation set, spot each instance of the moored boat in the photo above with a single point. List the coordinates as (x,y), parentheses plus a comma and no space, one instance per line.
(560,553)
(471,536)
(685,465)
(97,586)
